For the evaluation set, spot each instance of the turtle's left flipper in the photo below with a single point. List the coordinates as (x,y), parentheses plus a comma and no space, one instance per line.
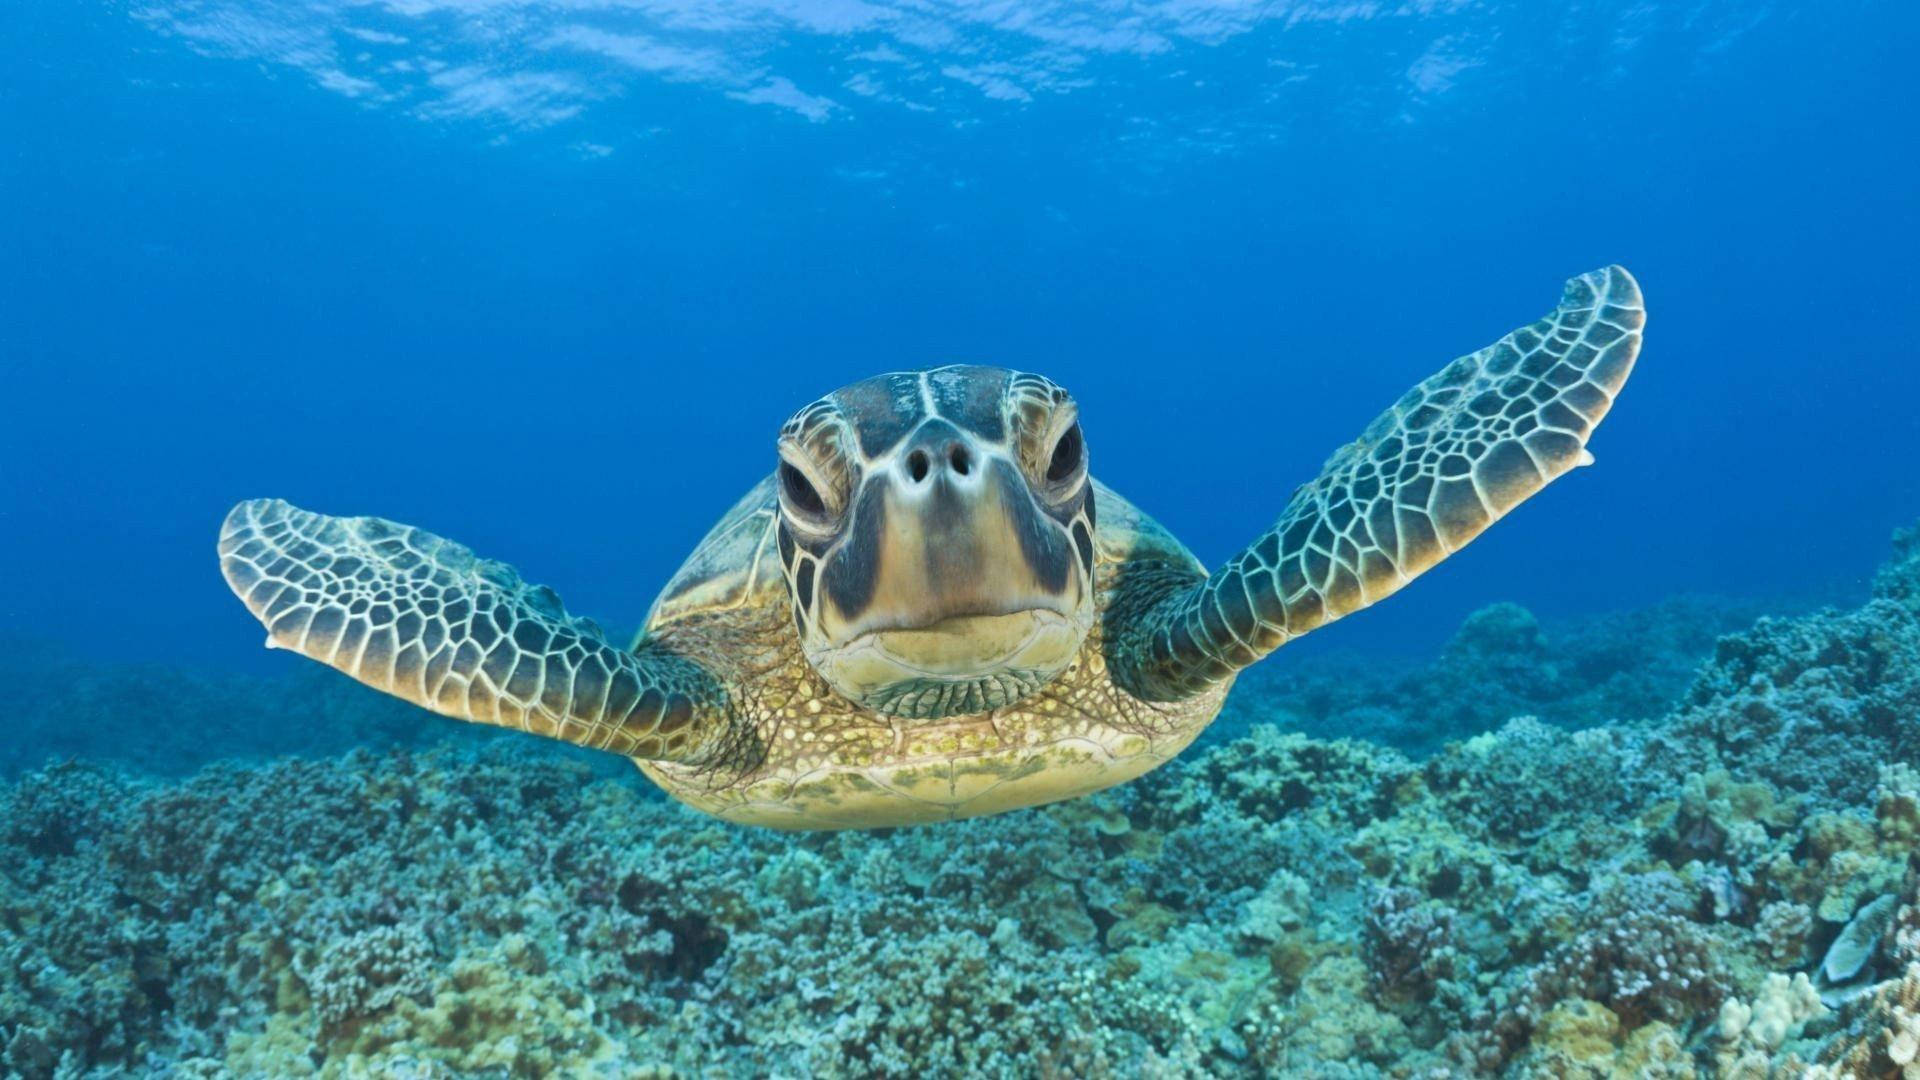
(1450,458)
(422,618)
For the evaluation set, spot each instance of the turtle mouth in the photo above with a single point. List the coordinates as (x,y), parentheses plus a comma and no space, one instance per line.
(960,663)
(965,646)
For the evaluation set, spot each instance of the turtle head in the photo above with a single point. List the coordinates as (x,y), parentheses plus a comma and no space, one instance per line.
(937,534)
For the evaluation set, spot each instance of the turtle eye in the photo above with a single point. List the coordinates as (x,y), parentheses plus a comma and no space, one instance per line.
(800,491)
(1066,454)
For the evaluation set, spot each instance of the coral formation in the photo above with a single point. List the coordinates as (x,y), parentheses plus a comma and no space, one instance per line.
(1502,663)
(1726,890)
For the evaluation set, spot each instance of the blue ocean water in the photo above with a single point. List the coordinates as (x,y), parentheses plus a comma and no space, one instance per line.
(547,278)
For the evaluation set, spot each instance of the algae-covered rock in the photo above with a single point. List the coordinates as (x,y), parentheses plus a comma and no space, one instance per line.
(1857,943)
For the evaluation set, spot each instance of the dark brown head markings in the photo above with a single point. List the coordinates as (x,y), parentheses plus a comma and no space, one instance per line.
(1083,540)
(803,585)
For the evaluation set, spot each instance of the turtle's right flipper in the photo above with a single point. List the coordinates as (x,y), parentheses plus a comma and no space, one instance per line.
(1450,458)
(422,618)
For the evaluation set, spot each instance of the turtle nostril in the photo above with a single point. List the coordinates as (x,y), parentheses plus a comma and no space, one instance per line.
(917,465)
(958,457)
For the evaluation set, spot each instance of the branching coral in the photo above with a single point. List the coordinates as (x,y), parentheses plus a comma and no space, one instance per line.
(1813,705)
(1639,964)
(1782,928)
(1407,944)
(365,972)
(1526,777)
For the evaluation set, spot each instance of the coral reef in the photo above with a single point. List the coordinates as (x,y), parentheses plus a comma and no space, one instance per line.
(1728,889)
(167,721)
(1501,663)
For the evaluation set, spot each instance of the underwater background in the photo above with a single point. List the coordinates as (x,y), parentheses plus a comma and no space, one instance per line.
(1631,787)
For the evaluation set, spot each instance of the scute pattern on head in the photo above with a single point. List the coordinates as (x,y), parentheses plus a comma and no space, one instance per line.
(1038,406)
(961,396)
(920,499)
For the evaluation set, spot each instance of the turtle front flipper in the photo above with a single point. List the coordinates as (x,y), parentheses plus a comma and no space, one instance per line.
(422,618)
(1448,459)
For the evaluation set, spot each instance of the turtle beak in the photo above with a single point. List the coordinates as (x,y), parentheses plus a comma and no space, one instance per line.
(950,555)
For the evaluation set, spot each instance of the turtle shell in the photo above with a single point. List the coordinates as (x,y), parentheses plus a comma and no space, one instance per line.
(731,568)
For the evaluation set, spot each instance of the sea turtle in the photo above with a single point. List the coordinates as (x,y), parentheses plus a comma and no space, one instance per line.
(929,610)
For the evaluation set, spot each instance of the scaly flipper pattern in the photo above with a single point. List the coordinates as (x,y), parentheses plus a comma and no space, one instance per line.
(1450,458)
(422,618)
